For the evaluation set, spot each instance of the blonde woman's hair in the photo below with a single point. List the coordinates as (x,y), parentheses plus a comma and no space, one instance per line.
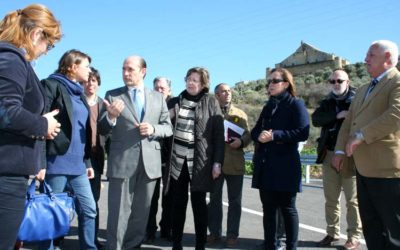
(17,27)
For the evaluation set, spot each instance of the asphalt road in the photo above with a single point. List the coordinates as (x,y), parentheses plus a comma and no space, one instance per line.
(310,205)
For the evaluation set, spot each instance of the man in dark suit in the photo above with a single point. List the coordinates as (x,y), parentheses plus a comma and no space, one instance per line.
(370,135)
(137,119)
(163,85)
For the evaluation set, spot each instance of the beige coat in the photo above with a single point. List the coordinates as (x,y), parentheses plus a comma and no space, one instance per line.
(234,158)
(378,118)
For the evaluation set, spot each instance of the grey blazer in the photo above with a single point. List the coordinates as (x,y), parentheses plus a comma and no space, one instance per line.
(126,143)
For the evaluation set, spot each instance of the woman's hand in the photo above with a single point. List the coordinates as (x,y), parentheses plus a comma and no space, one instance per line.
(216,170)
(40,176)
(265,136)
(90,173)
(53,126)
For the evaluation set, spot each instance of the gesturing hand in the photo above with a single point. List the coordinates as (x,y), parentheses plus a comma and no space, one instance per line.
(114,110)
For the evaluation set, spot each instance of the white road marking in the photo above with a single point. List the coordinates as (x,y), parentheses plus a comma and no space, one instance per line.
(301,225)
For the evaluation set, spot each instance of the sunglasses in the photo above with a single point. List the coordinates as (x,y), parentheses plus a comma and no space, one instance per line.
(340,81)
(274,81)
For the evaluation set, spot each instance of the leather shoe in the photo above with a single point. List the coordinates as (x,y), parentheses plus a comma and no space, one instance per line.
(150,239)
(99,245)
(328,241)
(231,242)
(212,239)
(352,244)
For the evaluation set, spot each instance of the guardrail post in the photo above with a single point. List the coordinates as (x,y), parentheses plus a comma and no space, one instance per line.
(307,173)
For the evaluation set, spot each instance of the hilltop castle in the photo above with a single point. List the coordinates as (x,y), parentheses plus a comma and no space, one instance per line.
(307,59)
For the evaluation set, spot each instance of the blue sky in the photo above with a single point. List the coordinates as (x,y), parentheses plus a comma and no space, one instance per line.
(236,39)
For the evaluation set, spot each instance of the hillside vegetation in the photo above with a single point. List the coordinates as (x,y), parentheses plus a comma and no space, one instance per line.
(251,96)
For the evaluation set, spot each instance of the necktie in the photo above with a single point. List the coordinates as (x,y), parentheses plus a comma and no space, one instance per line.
(137,100)
(372,86)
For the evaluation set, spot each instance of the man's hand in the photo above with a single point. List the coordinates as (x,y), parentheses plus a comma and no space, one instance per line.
(40,176)
(146,129)
(265,136)
(90,173)
(337,162)
(236,143)
(352,145)
(341,114)
(114,110)
(53,126)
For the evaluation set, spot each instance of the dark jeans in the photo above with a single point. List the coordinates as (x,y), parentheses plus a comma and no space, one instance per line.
(379,206)
(180,195)
(234,185)
(12,205)
(95,185)
(286,201)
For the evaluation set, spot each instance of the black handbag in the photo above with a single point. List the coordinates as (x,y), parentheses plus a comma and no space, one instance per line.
(47,215)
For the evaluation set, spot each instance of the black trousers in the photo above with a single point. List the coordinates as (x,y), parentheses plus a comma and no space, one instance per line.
(379,206)
(152,222)
(180,195)
(95,185)
(12,205)
(272,201)
(166,217)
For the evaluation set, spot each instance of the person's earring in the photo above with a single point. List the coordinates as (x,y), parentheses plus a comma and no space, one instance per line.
(34,42)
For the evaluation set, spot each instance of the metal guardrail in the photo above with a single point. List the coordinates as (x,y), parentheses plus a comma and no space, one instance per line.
(306,160)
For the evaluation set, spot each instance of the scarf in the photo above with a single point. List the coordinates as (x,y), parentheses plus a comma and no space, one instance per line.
(72,87)
(193,98)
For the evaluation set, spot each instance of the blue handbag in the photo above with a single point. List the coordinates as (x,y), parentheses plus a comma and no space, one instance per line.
(47,215)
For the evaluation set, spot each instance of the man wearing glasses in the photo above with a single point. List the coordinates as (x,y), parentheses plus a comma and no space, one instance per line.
(330,116)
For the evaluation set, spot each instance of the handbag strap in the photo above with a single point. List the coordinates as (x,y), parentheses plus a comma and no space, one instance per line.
(43,185)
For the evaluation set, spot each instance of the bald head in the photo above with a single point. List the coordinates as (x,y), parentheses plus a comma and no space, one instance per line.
(339,82)
(134,71)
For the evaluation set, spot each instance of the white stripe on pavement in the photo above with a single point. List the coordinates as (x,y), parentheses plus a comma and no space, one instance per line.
(307,227)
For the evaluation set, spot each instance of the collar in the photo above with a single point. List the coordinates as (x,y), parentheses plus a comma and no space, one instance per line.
(141,89)
(384,74)
(92,102)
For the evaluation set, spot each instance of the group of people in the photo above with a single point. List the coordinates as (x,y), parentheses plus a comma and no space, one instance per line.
(58,129)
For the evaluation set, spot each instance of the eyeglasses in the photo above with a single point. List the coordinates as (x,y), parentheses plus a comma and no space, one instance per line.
(50,45)
(188,79)
(340,81)
(274,81)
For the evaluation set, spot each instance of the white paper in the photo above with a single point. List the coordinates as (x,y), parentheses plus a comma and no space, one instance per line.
(235,128)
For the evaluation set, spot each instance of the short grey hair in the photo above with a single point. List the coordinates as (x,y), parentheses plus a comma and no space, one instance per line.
(219,85)
(158,78)
(388,46)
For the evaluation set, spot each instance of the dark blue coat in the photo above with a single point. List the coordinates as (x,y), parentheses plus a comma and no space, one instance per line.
(22,126)
(277,164)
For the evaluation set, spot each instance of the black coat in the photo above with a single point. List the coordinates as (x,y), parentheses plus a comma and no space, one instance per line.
(325,116)
(209,140)
(22,127)
(59,98)
(277,165)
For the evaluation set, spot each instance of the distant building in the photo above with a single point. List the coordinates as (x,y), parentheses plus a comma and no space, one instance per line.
(307,59)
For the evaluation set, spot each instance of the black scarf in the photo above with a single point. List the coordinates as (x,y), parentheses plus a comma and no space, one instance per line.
(274,101)
(193,98)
